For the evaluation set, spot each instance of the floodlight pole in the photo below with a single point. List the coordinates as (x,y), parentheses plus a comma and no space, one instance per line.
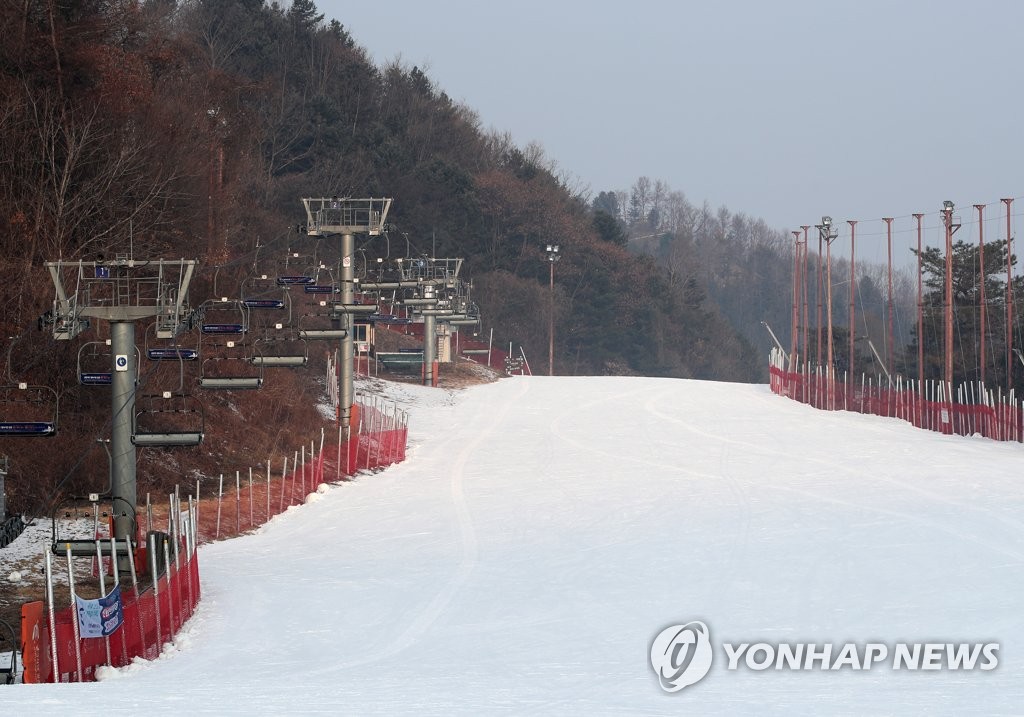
(1009,298)
(819,287)
(553,257)
(826,234)
(891,348)
(920,314)
(853,286)
(794,337)
(803,288)
(981,297)
(947,303)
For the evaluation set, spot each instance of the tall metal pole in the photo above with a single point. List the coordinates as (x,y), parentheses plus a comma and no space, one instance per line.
(947,301)
(803,288)
(794,336)
(346,384)
(821,279)
(891,349)
(553,257)
(983,275)
(551,320)
(920,313)
(828,264)
(853,286)
(1009,298)
(122,451)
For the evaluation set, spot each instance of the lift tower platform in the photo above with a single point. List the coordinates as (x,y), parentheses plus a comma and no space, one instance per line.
(120,291)
(344,216)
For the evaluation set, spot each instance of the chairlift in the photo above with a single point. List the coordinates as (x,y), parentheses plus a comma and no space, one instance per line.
(224,317)
(280,351)
(321,325)
(263,292)
(168,419)
(223,349)
(230,372)
(28,411)
(94,366)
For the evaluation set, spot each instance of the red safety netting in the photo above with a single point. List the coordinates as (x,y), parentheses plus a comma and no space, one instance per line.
(243,501)
(152,617)
(964,411)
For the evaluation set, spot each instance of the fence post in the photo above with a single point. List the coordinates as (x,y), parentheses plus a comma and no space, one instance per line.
(55,669)
(74,620)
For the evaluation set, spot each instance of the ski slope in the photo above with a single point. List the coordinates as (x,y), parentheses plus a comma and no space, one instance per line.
(544,530)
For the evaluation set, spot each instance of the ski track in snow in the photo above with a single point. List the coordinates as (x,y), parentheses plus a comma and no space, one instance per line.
(864,477)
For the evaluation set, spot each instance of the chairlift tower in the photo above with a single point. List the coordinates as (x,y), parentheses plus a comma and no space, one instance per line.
(438,282)
(120,291)
(333,216)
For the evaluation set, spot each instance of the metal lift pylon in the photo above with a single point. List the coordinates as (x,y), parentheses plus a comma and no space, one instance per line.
(120,291)
(333,216)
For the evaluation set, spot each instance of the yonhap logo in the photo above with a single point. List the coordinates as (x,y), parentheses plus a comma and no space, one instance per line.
(681,655)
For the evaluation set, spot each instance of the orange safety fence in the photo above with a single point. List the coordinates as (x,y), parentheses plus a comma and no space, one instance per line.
(965,410)
(152,617)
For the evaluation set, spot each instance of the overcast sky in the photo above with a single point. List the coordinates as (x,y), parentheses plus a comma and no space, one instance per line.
(784,110)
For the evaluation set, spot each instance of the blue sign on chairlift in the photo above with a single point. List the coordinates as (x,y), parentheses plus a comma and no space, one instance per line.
(95,378)
(27,428)
(223,329)
(263,303)
(321,289)
(172,354)
(294,280)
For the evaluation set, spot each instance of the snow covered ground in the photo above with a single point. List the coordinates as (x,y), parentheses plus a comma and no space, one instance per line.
(544,530)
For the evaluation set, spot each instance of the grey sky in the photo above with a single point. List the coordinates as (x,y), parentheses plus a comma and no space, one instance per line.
(784,110)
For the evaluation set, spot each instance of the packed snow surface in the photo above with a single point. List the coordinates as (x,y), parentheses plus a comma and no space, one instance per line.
(544,530)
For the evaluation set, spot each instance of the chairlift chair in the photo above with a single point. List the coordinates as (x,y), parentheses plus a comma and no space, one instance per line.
(168,419)
(223,347)
(224,317)
(230,372)
(28,411)
(94,366)
(280,351)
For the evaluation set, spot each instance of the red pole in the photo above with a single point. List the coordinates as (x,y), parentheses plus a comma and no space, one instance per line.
(947,308)
(983,276)
(920,318)
(828,268)
(853,231)
(803,287)
(891,352)
(820,281)
(794,328)
(1009,299)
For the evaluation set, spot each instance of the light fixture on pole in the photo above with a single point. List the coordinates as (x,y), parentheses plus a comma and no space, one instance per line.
(553,256)
(827,234)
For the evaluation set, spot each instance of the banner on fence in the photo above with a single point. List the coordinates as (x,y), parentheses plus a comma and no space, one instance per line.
(102,616)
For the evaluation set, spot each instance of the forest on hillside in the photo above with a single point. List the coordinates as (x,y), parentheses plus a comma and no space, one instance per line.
(193,128)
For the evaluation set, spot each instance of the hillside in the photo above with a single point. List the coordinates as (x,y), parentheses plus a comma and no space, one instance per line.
(159,129)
